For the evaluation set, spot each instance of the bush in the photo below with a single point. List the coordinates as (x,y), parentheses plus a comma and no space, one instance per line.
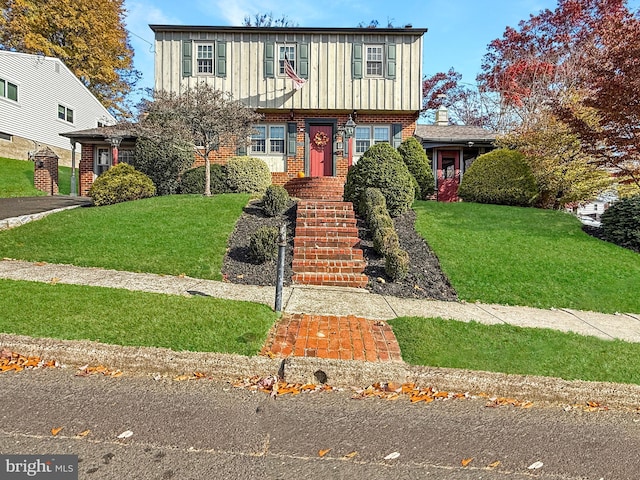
(163,161)
(416,160)
(396,264)
(263,244)
(379,219)
(385,240)
(275,200)
(381,167)
(621,223)
(192,181)
(501,177)
(371,199)
(247,175)
(121,183)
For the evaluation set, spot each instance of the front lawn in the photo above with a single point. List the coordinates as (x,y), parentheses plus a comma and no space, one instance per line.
(16,179)
(122,317)
(527,256)
(173,235)
(509,349)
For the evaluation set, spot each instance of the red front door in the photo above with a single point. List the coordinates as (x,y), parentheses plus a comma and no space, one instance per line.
(448,175)
(321,150)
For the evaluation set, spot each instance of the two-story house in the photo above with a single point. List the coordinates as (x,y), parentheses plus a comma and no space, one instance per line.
(40,98)
(308,83)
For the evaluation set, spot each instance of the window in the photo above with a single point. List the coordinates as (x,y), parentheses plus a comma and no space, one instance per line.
(288,52)
(204,59)
(103,160)
(125,155)
(65,113)
(8,90)
(367,136)
(374,60)
(268,139)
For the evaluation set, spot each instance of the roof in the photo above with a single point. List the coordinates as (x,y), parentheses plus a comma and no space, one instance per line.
(102,133)
(209,28)
(454,133)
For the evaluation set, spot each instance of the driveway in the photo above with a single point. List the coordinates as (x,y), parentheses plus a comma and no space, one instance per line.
(17,207)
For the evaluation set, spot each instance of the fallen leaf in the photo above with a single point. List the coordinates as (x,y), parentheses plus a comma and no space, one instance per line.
(494,464)
(181,378)
(392,456)
(322,453)
(84,434)
(535,466)
(351,455)
(126,434)
(466,461)
(56,431)
(54,280)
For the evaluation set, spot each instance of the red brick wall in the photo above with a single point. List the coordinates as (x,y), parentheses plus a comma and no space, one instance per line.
(45,177)
(86,169)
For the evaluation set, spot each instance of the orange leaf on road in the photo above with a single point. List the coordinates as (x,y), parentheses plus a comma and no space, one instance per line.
(56,431)
(322,453)
(466,461)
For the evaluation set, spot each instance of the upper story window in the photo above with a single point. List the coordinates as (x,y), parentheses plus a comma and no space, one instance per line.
(375,59)
(288,52)
(268,139)
(370,135)
(204,59)
(65,113)
(8,90)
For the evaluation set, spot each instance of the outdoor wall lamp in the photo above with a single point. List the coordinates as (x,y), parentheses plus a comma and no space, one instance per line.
(115,141)
(349,128)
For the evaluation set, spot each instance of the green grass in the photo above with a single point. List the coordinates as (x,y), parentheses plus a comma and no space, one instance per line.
(121,317)
(173,235)
(509,349)
(16,179)
(527,256)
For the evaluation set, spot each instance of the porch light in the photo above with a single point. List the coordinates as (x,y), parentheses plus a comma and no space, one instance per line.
(115,141)
(349,128)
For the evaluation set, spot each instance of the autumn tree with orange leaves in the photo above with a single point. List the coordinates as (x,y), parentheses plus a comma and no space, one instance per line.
(89,36)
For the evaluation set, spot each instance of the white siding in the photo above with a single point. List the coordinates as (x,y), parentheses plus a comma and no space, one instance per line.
(330,84)
(43,84)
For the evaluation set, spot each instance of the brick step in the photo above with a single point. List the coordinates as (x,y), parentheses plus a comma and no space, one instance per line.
(328,266)
(327,253)
(354,280)
(315,205)
(335,216)
(337,242)
(330,222)
(324,232)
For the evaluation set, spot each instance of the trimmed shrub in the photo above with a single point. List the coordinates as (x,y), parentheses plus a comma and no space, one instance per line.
(163,161)
(247,175)
(371,199)
(263,244)
(416,160)
(275,200)
(192,181)
(621,223)
(385,240)
(379,219)
(121,183)
(500,177)
(381,167)
(396,264)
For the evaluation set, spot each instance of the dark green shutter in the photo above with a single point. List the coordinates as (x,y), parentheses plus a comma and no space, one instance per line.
(241,150)
(356,61)
(303,60)
(187,58)
(269,59)
(397,134)
(221,59)
(292,137)
(391,60)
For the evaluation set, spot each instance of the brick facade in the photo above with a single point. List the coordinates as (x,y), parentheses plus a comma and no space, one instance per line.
(86,169)
(45,175)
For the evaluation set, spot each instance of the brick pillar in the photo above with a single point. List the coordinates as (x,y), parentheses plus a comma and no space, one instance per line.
(86,169)
(45,176)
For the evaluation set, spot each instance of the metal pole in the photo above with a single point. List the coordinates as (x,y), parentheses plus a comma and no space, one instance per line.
(72,191)
(282,243)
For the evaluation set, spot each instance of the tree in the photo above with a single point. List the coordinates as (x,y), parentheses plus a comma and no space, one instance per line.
(267,20)
(205,117)
(89,36)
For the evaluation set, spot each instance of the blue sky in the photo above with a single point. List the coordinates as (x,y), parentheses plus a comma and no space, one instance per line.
(459,30)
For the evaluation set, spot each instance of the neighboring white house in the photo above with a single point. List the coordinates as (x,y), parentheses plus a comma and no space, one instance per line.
(40,98)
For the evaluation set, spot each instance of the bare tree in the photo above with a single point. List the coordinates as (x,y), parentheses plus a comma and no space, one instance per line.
(267,20)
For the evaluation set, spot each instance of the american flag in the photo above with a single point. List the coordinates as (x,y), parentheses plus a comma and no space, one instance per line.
(298,82)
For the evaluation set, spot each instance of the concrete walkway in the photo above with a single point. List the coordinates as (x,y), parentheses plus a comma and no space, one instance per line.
(335,301)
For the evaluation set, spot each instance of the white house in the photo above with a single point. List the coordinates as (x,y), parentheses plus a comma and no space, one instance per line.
(40,98)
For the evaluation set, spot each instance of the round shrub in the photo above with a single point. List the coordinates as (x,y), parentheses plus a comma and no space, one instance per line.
(416,160)
(121,183)
(621,223)
(385,240)
(381,167)
(263,244)
(501,177)
(247,175)
(275,200)
(396,264)
(192,181)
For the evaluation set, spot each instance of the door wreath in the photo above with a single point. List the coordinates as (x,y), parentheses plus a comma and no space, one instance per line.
(320,139)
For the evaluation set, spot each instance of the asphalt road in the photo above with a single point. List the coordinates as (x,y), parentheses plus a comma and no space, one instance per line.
(201,429)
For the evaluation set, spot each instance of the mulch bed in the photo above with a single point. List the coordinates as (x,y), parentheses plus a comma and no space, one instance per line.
(425,278)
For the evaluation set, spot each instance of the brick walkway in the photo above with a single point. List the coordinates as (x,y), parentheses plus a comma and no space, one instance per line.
(343,338)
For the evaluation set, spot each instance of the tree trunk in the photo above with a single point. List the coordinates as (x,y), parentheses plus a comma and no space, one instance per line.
(207,175)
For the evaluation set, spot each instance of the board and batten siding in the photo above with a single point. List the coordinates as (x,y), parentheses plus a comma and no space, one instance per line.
(330,83)
(43,84)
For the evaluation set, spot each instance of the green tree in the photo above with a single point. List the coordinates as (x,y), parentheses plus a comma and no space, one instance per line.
(416,160)
(89,36)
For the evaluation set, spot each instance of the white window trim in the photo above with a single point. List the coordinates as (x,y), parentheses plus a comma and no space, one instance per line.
(66,109)
(366,61)
(96,159)
(267,139)
(372,140)
(6,91)
(196,58)
(293,61)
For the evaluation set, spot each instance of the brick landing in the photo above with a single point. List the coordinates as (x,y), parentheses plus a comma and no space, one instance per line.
(332,337)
